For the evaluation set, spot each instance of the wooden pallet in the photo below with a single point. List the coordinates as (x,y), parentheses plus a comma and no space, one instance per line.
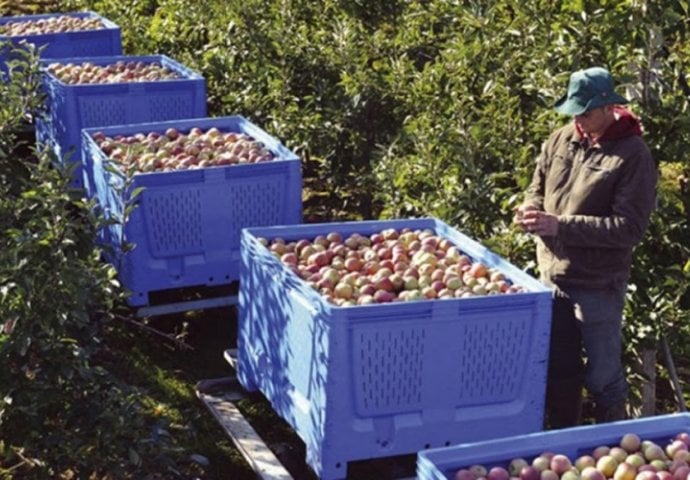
(185,306)
(167,302)
(248,442)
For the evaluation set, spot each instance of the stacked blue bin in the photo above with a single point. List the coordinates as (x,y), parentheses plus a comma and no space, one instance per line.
(186,224)
(379,380)
(71,108)
(105,41)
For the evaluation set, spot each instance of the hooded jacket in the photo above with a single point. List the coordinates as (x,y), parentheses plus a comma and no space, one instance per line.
(603,193)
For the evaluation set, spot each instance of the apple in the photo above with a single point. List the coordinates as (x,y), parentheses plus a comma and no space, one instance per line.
(366,300)
(680,472)
(478,270)
(630,442)
(652,451)
(636,459)
(464,474)
(516,465)
(647,475)
(541,463)
(591,473)
(624,471)
(530,473)
(606,464)
(429,292)
(383,296)
(584,461)
(479,471)
(674,447)
(289,258)
(560,464)
(683,437)
(498,473)
(549,474)
(343,290)
(415,294)
(600,451)
(618,453)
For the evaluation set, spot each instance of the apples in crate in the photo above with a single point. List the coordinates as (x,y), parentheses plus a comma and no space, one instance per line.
(117,72)
(632,458)
(387,266)
(172,149)
(382,379)
(58,24)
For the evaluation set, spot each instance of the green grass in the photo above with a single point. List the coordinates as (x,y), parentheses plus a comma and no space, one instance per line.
(168,375)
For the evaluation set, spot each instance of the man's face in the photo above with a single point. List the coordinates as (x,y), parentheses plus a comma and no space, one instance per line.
(594,121)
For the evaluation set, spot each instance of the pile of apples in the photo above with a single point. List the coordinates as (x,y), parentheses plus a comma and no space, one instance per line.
(632,459)
(118,72)
(388,266)
(58,24)
(175,150)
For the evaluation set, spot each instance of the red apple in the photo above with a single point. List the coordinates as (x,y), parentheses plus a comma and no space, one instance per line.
(529,473)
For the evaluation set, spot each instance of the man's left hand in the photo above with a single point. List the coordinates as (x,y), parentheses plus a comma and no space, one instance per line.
(540,223)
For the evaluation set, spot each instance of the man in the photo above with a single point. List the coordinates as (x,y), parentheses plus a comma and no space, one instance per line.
(589,203)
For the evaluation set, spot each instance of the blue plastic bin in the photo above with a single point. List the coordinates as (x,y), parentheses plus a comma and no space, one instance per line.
(186,226)
(442,463)
(378,380)
(71,108)
(87,43)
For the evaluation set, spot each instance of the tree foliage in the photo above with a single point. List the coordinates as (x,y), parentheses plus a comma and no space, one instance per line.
(439,108)
(62,413)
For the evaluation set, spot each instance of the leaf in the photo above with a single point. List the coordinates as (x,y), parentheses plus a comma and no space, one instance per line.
(200,459)
(134,457)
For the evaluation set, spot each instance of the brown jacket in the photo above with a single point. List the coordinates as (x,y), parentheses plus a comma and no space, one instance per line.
(603,195)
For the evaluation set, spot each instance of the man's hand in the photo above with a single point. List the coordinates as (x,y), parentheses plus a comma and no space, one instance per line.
(536,221)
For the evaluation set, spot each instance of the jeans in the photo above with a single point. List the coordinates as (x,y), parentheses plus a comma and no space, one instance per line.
(589,319)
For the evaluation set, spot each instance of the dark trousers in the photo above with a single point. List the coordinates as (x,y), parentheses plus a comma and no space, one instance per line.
(585,322)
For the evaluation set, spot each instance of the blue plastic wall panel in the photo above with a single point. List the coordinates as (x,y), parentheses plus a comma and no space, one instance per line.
(186,225)
(86,43)
(387,379)
(71,108)
(442,463)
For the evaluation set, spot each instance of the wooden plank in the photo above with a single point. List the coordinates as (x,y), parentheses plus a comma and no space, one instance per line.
(218,395)
(203,304)
(248,442)
(231,389)
(230,356)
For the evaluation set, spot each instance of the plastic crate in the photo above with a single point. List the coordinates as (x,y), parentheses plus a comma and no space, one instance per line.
(86,43)
(379,380)
(71,108)
(186,226)
(442,463)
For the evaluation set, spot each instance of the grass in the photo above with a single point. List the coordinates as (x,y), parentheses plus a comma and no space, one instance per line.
(168,375)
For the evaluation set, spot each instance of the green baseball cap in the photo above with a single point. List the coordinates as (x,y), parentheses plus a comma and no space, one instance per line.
(588,89)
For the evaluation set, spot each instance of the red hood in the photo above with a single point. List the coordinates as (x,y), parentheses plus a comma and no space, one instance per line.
(626,125)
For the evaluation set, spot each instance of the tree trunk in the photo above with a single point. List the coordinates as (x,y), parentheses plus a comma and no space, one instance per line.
(648,390)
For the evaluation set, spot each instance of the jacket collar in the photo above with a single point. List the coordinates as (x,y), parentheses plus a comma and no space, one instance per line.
(625,125)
